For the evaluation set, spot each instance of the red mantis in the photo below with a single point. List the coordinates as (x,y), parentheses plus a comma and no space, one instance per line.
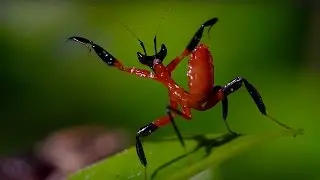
(202,95)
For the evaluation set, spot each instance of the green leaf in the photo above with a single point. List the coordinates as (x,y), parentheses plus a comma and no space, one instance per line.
(168,160)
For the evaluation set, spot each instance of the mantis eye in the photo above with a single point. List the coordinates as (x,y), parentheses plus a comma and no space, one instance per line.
(162,53)
(141,57)
(145,60)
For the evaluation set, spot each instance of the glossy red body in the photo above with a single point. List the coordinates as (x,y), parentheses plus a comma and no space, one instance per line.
(201,95)
(200,81)
(200,71)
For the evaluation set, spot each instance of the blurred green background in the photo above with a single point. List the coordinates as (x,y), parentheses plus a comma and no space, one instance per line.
(47,83)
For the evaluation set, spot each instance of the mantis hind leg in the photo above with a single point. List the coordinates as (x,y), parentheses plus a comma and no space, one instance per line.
(220,93)
(236,84)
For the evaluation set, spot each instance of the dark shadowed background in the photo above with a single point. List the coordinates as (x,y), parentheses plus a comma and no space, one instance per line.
(48,84)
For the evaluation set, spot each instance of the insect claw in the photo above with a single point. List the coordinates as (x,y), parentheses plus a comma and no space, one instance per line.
(70,38)
(198,35)
(82,41)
